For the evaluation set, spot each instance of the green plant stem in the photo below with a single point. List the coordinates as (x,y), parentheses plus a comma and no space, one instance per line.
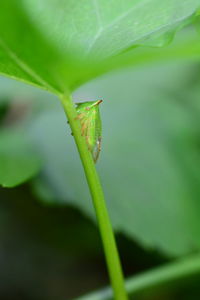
(165,275)
(109,244)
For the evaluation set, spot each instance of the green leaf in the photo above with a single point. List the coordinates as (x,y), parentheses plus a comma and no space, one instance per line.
(18,160)
(57,45)
(159,277)
(149,163)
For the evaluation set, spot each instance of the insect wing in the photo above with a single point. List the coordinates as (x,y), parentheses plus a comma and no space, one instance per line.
(97,136)
(89,117)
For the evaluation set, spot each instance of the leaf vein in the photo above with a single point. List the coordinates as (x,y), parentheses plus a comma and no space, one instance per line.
(24,67)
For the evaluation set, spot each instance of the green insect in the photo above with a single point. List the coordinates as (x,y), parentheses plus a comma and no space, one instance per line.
(89,116)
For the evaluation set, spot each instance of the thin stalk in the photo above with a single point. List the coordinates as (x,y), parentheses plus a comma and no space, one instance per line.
(106,232)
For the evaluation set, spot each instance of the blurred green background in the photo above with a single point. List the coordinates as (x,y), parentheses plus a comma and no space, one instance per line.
(149,167)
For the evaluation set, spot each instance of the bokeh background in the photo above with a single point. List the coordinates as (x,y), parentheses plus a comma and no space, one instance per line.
(149,167)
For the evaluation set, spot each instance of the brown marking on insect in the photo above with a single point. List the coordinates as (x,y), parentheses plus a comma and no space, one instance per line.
(79,117)
(87,135)
(87,141)
(98,102)
(83,128)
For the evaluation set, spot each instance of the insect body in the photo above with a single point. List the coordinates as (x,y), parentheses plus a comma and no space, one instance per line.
(89,116)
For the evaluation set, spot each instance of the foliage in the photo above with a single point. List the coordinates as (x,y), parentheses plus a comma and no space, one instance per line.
(149,147)
(57,45)
(18,159)
(154,137)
